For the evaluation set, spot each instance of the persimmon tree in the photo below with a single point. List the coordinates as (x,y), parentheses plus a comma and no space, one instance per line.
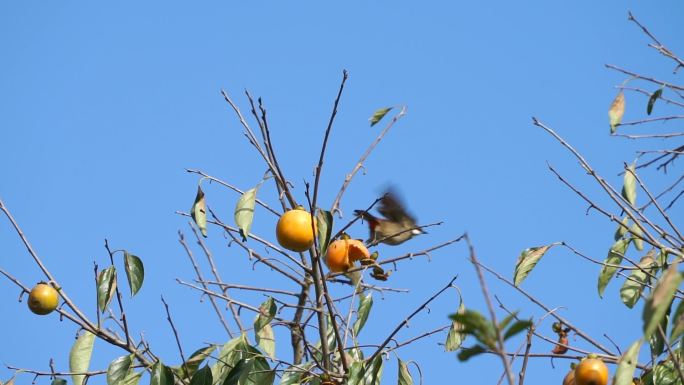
(644,252)
(326,345)
(325,340)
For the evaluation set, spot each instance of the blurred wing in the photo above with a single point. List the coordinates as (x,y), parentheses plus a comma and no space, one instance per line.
(393,209)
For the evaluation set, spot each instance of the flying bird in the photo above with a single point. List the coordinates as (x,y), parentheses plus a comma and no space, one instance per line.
(396,225)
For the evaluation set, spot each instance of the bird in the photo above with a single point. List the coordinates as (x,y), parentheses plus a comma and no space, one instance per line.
(395,227)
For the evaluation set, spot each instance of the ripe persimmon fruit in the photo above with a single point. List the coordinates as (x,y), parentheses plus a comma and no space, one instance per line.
(591,371)
(342,254)
(295,230)
(43,299)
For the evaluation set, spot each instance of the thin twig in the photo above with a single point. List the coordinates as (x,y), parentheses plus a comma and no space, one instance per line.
(534,300)
(407,319)
(402,257)
(656,119)
(319,167)
(175,334)
(44,269)
(658,45)
(215,272)
(336,203)
(526,357)
(655,202)
(492,313)
(649,79)
(230,186)
(118,298)
(219,313)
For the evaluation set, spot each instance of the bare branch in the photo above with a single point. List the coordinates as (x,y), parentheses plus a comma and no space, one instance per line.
(405,321)
(336,203)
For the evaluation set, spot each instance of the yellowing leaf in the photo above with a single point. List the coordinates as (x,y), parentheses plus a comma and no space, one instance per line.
(634,285)
(615,255)
(660,299)
(404,374)
(637,236)
(456,335)
(622,228)
(629,185)
(527,261)
(617,109)
(378,115)
(79,357)
(199,212)
(244,212)
(627,365)
(266,340)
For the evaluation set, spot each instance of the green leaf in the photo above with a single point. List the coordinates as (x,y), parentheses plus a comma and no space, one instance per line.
(365,305)
(516,328)
(266,378)
(294,375)
(133,378)
(255,371)
(135,272)
(266,340)
(467,353)
(527,261)
(199,211)
(193,363)
(57,381)
(106,287)
(677,323)
(230,353)
(616,111)
(477,325)
(161,375)
(456,335)
(202,377)
(79,357)
(615,255)
(378,115)
(657,342)
(373,371)
(267,311)
(651,101)
(629,184)
(259,373)
(660,299)
(665,374)
(634,285)
(637,236)
(118,369)
(244,211)
(356,373)
(324,226)
(234,375)
(404,374)
(627,365)
(622,228)
(507,320)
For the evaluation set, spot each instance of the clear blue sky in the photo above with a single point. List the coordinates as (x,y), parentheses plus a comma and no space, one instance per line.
(103,106)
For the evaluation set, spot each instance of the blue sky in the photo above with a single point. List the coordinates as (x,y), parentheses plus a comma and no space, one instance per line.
(104,106)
